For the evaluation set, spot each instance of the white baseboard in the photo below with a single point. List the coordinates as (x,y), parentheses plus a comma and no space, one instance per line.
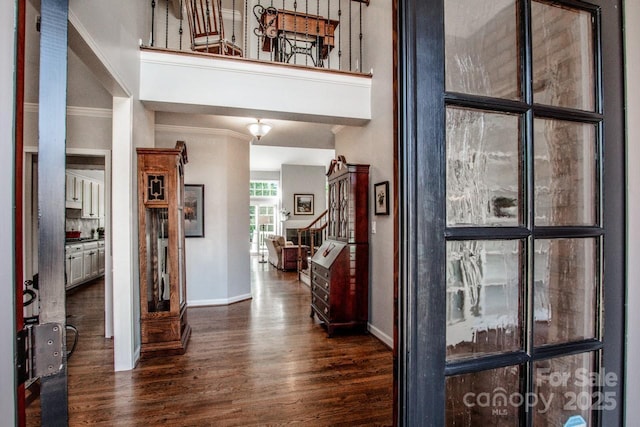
(136,356)
(220,301)
(386,339)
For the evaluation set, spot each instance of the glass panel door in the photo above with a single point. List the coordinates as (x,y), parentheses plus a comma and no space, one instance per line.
(523,229)
(262,223)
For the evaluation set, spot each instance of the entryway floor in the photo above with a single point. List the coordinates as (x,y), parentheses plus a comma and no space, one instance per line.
(258,362)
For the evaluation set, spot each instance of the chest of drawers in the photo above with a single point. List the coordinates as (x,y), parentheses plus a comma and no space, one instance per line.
(339,289)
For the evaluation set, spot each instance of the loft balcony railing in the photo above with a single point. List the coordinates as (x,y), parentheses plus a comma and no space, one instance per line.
(314,33)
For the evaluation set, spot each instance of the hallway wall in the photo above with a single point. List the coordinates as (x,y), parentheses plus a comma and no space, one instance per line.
(218,263)
(373,144)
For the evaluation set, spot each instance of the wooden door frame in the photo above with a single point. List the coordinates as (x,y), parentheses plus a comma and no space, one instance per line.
(421,215)
(421,189)
(18,188)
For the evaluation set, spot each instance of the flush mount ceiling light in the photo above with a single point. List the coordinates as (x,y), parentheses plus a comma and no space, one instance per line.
(259,129)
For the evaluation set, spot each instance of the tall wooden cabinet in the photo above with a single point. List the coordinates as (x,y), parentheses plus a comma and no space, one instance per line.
(163,292)
(340,267)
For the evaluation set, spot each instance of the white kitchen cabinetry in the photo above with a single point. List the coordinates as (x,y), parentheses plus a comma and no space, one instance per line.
(101,257)
(85,193)
(84,262)
(73,191)
(90,263)
(101,208)
(74,264)
(91,199)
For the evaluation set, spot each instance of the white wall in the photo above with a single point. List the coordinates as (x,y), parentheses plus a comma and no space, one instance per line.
(238,261)
(110,33)
(250,88)
(265,175)
(7,260)
(115,28)
(218,264)
(632,16)
(373,144)
(85,129)
(303,179)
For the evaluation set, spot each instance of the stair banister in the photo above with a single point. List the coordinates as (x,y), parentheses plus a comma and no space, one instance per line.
(311,228)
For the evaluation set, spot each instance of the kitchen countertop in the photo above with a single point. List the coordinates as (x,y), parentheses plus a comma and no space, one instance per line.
(82,240)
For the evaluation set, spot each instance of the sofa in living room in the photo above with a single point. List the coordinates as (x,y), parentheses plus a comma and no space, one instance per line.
(283,254)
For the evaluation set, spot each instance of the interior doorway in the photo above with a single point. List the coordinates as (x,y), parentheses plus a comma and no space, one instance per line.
(87,254)
(263,209)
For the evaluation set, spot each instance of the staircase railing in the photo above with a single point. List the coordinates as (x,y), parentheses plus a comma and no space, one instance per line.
(317,228)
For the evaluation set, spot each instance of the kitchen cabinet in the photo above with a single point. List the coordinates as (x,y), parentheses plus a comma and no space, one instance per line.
(83,262)
(74,265)
(90,260)
(73,191)
(84,193)
(100,201)
(91,199)
(101,257)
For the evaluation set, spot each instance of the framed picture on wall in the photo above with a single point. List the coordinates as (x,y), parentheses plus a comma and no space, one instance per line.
(194,210)
(381,198)
(303,204)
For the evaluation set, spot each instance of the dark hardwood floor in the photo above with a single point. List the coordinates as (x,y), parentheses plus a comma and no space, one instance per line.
(258,362)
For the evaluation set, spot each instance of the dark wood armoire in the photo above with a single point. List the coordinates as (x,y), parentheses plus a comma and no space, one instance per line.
(340,267)
(163,287)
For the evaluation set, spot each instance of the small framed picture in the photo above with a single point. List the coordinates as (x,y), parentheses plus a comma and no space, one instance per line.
(194,210)
(381,198)
(303,204)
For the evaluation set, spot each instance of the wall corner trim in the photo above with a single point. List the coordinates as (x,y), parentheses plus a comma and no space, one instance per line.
(202,131)
(218,301)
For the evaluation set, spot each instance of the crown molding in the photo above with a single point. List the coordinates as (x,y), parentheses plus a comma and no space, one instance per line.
(202,131)
(337,129)
(103,113)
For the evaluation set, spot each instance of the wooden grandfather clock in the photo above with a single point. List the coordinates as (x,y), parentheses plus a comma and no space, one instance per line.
(163,290)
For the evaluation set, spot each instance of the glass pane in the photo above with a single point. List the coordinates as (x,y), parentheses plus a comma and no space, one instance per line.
(565,388)
(488,398)
(565,173)
(483,168)
(483,297)
(182,283)
(563,57)
(481,48)
(157,253)
(565,290)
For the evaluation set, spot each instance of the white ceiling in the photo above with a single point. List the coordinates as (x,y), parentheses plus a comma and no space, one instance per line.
(288,142)
(265,158)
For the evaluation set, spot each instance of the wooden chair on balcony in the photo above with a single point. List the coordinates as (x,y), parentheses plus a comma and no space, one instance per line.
(207,28)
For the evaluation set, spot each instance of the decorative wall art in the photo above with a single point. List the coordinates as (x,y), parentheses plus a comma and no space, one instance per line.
(303,204)
(381,198)
(194,210)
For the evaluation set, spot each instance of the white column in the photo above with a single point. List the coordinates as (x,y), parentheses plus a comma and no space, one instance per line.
(123,213)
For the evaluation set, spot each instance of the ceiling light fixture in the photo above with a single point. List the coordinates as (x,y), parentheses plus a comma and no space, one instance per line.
(259,129)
